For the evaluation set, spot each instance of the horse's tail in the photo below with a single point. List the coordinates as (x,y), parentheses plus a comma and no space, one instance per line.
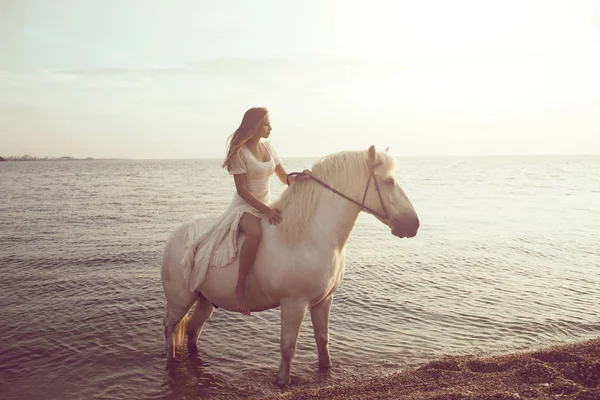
(181,331)
(179,334)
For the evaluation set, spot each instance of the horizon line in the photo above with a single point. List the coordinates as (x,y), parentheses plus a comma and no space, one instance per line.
(88,158)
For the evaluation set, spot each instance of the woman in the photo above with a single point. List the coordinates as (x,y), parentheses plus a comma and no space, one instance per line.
(252,162)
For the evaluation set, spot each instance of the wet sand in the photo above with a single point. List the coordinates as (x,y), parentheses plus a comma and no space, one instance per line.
(561,372)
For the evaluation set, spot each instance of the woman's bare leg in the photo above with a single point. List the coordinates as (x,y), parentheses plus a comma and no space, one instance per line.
(250,225)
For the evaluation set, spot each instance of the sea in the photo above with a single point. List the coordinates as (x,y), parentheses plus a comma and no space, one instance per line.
(507,259)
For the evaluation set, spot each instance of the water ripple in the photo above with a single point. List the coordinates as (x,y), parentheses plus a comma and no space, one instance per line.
(504,261)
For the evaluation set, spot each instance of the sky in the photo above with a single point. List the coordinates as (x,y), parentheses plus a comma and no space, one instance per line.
(171,79)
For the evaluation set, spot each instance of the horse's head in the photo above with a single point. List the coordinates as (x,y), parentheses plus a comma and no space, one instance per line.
(386,197)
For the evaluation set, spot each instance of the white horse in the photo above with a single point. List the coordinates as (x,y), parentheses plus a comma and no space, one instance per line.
(299,263)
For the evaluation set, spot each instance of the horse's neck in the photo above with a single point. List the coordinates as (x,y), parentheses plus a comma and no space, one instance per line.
(334,218)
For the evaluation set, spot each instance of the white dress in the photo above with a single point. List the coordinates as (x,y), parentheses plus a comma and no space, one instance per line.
(215,243)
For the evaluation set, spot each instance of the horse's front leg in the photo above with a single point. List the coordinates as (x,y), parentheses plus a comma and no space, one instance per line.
(319,315)
(292,314)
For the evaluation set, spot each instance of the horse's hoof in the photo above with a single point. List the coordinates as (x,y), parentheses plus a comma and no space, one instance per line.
(324,368)
(282,383)
(192,346)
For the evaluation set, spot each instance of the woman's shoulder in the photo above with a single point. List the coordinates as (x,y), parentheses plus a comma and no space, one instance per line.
(243,152)
(238,161)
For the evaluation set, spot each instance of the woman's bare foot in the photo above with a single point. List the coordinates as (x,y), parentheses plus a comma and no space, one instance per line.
(242,301)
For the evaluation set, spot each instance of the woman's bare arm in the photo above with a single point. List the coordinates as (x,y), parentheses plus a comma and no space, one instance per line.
(282,175)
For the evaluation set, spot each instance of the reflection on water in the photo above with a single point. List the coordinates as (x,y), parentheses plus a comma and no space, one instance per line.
(506,259)
(187,377)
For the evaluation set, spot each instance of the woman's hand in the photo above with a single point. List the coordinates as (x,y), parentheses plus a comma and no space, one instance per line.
(274,216)
(305,177)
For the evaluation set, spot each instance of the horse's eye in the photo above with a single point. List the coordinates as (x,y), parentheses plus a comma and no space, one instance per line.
(389,181)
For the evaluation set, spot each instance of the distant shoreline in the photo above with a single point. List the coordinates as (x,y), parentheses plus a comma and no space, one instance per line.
(31,158)
(22,159)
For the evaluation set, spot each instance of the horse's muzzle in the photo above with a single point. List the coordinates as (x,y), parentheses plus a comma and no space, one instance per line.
(406,227)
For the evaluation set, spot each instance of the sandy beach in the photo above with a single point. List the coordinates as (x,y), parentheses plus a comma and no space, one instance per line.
(562,372)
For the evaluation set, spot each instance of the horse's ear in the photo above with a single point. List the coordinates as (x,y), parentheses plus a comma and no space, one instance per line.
(372,154)
(387,149)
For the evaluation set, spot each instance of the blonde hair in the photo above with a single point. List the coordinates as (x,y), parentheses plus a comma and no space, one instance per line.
(343,171)
(250,122)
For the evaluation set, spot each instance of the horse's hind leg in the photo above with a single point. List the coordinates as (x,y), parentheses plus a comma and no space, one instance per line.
(175,322)
(201,314)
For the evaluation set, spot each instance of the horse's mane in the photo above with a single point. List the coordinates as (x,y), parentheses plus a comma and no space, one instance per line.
(341,170)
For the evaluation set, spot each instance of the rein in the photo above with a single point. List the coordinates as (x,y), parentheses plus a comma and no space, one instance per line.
(369,210)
